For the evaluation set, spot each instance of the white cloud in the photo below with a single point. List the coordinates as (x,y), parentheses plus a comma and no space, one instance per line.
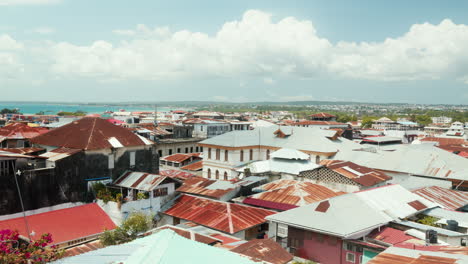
(28,2)
(44,30)
(297,98)
(8,43)
(256,46)
(269,80)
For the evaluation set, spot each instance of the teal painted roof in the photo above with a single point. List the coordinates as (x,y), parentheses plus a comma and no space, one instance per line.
(164,247)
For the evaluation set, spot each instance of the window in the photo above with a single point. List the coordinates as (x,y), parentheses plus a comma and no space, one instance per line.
(191,149)
(170,152)
(217,174)
(209,173)
(209,153)
(320,238)
(160,192)
(241,155)
(251,155)
(201,149)
(349,247)
(317,159)
(350,257)
(196,149)
(218,154)
(225,176)
(186,150)
(268,154)
(178,150)
(226,155)
(132,159)
(359,249)
(111,161)
(160,153)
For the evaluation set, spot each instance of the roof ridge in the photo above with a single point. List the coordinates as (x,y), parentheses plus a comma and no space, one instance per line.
(91,133)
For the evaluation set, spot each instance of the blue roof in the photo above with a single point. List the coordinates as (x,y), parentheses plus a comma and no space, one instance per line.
(164,247)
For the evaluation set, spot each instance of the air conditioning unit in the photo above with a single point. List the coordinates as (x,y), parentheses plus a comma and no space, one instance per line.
(282,230)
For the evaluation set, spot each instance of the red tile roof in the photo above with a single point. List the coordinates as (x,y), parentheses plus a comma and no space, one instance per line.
(449,199)
(21,131)
(199,186)
(64,224)
(264,250)
(357,173)
(226,217)
(196,166)
(89,133)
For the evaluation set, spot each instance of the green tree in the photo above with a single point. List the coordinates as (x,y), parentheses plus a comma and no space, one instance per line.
(423,120)
(134,225)
(367,122)
(9,111)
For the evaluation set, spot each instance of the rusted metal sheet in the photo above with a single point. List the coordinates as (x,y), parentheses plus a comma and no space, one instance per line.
(296,193)
(226,217)
(21,131)
(200,186)
(83,248)
(89,133)
(264,250)
(139,181)
(196,166)
(449,199)
(363,175)
(417,205)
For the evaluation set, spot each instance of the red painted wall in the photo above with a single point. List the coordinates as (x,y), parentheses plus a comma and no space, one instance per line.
(321,248)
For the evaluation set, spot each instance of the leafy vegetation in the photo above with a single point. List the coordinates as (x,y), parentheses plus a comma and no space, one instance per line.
(135,224)
(9,111)
(105,194)
(15,251)
(77,113)
(427,220)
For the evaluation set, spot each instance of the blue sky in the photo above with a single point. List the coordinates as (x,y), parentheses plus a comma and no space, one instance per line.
(375,51)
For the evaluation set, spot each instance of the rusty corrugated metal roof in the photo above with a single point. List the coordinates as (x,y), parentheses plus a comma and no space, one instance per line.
(264,250)
(89,133)
(226,217)
(449,199)
(180,157)
(176,174)
(21,131)
(296,193)
(83,248)
(139,180)
(196,166)
(201,186)
(363,175)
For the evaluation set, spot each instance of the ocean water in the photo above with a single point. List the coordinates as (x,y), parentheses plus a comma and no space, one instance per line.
(50,109)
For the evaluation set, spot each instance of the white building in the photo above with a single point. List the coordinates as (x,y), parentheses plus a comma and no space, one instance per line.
(441,120)
(224,154)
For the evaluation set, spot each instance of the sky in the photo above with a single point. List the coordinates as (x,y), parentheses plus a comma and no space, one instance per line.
(234,51)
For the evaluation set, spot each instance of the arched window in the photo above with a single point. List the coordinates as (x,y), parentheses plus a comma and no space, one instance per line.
(268,154)
(241,155)
(251,155)
(217,174)
(226,155)
(209,153)
(218,154)
(209,173)
(225,176)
